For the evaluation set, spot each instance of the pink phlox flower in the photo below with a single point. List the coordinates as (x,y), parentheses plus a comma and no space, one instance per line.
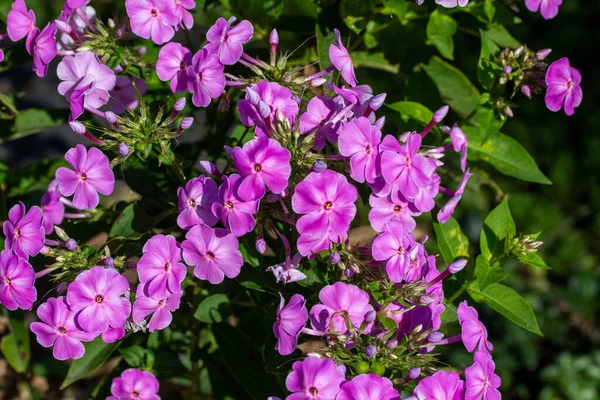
(205,78)
(315,378)
(72,26)
(91,174)
(235,214)
(443,385)
(20,22)
(123,96)
(160,267)
(448,209)
(24,231)
(160,307)
(195,201)
(17,279)
(481,381)
(548,8)
(424,200)
(213,252)
(460,144)
(152,19)
(368,387)
(134,384)
(111,335)
(384,210)
(360,140)
(226,41)
(320,119)
(393,247)
(474,333)
(53,210)
(291,318)
(181,10)
(173,62)
(309,245)
(339,56)
(43,49)
(86,82)
(288,272)
(58,328)
(564,88)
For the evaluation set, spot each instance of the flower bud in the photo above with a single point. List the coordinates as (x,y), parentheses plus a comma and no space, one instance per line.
(543,53)
(45,250)
(179,104)
(370,351)
(123,149)
(186,123)
(519,51)
(380,122)
(391,344)
(435,337)
(317,82)
(457,266)
(77,127)
(370,316)
(261,246)
(71,244)
(440,114)
(426,300)
(348,273)
(334,258)
(111,23)
(526,90)
(61,233)
(209,167)
(414,373)
(508,111)
(252,96)
(319,166)
(62,287)
(141,50)
(274,38)
(507,69)
(111,117)
(377,101)
(109,262)
(263,109)
(63,26)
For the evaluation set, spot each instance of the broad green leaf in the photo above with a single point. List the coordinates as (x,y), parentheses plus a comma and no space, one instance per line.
(399,8)
(505,154)
(325,38)
(497,227)
(500,35)
(15,346)
(28,122)
(138,357)
(130,224)
(455,88)
(486,67)
(488,275)
(354,13)
(534,260)
(440,30)
(451,240)
(96,353)
(449,315)
(508,303)
(414,110)
(209,309)
(387,322)
(489,10)
(485,115)
(248,256)
(378,61)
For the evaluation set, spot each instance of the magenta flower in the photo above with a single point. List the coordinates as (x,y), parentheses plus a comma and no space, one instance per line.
(91,174)
(384,210)
(24,231)
(17,278)
(319,119)
(337,299)
(134,384)
(315,378)
(58,329)
(443,385)
(235,214)
(327,200)
(563,87)
(482,382)
(160,308)
(263,102)
(262,163)
(474,333)
(291,318)
(173,62)
(410,169)
(160,268)
(359,140)
(43,49)
(459,142)
(368,387)
(111,335)
(86,82)
(424,200)
(340,58)
(548,8)
(53,210)
(195,201)
(206,78)
(310,245)
(181,10)
(448,209)
(123,96)
(152,19)
(227,41)
(20,22)
(213,252)
(96,298)
(393,246)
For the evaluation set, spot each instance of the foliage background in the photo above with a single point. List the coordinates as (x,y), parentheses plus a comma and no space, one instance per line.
(564,364)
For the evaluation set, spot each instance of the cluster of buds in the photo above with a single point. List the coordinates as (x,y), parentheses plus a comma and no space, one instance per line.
(524,245)
(525,68)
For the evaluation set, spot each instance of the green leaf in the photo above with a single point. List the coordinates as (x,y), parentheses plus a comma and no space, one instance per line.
(449,315)
(440,30)
(248,256)
(497,227)
(486,68)
(413,110)
(353,13)
(130,223)
(505,154)
(28,122)
(96,353)
(209,309)
(451,240)
(138,357)
(15,346)
(501,36)
(488,275)
(388,323)
(325,38)
(455,88)
(508,303)
(489,10)
(374,61)
(485,115)
(534,260)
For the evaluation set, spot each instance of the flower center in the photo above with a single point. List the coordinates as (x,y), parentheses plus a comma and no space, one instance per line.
(135,395)
(182,65)
(161,303)
(369,149)
(407,162)
(313,390)
(210,255)
(192,203)
(257,167)
(154,12)
(569,84)
(168,267)
(400,250)
(17,233)
(62,330)
(229,205)
(328,205)
(83,176)
(7,280)
(99,299)
(397,208)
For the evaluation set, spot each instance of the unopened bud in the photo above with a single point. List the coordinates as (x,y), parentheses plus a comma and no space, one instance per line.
(111,117)
(507,69)
(71,244)
(252,96)
(209,167)
(440,114)
(391,344)
(77,127)
(543,53)
(63,26)
(518,51)
(457,266)
(109,262)
(334,258)
(61,233)
(348,273)
(123,149)
(414,373)
(435,337)
(380,122)
(317,82)
(261,246)
(186,123)
(179,104)
(111,23)
(377,101)
(141,50)
(263,109)
(508,111)
(370,316)
(45,250)
(62,287)
(274,38)
(526,90)
(319,166)
(371,351)
(426,300)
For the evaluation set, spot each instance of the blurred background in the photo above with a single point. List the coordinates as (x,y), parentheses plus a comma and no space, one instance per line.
(565,363)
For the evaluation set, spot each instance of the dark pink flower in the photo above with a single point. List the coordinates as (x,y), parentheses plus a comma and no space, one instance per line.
(160,268)
(474,333)
(213,252)
(318,119)
(58,329)
(384,210)
(315,378)
(548,8)
(359,140)
(172,64)
(235,214)
(563,87)
(43,49)
(368,387)
(291,318)
(20,22)
(226,41)
(206,78)
(24,231)
(327,201)
(91,174)
(393,246)
(341,59)
(96,298)
(134,384)
(17,278)
(152,19)
(53,210)
(443,385)
(482,382)
(181,10)
(195,201)
(160,308)
(448,209)
(263,163)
